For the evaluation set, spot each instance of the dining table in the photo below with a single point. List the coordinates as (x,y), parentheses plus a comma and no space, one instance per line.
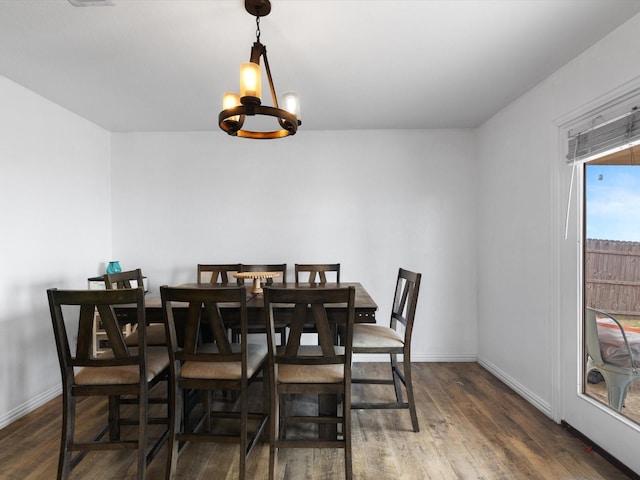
(365,306)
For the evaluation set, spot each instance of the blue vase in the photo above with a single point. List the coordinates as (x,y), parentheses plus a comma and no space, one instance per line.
(114,267)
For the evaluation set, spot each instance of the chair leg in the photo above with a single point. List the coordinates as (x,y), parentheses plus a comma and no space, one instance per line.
(143,410)
(282,418)
(175,413)
(394,376)
(274,434)
(68,422)
(409,386)
(616,390)
(266,402)
(244,418)
(114,417)
(206,406)
(186,404)
(346,435)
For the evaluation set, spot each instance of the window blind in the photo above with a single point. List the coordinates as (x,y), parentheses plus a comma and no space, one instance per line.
(620,132)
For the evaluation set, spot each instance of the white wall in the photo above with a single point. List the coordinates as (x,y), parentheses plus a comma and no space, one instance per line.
(527,308)
(371,200)
(56,229)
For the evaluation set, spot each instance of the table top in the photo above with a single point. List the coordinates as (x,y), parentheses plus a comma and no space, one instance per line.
(363,300)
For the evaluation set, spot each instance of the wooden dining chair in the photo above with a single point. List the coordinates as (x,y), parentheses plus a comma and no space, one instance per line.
(133,279)
(155,331)
(126,279)
(393,340)
(218,273)
(323,369)
(120,371)
(218,365)
(317,271)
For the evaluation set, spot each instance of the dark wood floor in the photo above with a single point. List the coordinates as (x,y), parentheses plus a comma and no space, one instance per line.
(472,427)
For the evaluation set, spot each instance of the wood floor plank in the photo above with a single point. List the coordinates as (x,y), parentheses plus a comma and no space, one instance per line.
(472,426)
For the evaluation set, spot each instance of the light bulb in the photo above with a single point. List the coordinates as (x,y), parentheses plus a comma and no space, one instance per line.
(291,103)
(250,80)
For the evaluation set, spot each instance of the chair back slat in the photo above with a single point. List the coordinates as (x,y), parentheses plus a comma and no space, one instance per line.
(85,330)
(317,271)
(295,329)
(218,329)
(405,300)
(113,329)
(321,322)
(192,328)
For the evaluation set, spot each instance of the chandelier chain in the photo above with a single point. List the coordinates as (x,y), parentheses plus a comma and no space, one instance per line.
(258,29)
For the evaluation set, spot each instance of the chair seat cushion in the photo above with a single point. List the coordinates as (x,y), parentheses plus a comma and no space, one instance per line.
(157,361)
(311,373)
(155,336)
(256,356)
(368,336)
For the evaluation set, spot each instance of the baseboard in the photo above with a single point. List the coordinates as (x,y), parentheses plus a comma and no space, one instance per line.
(29,406)
(445,357)
(435,358)
(528,395)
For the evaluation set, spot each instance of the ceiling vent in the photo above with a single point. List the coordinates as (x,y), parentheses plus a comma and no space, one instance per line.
(91,3)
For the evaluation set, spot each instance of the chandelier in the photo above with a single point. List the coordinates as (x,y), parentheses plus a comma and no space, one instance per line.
(236,107)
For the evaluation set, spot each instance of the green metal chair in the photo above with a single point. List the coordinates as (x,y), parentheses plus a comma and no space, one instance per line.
(619,364)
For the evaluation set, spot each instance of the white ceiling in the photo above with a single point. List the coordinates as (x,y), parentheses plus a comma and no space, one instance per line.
(163,65)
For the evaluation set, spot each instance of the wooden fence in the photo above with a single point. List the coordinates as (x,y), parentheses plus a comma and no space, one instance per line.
(612,273)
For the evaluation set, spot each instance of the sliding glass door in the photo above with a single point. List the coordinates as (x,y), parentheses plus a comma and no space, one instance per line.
(598,257)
